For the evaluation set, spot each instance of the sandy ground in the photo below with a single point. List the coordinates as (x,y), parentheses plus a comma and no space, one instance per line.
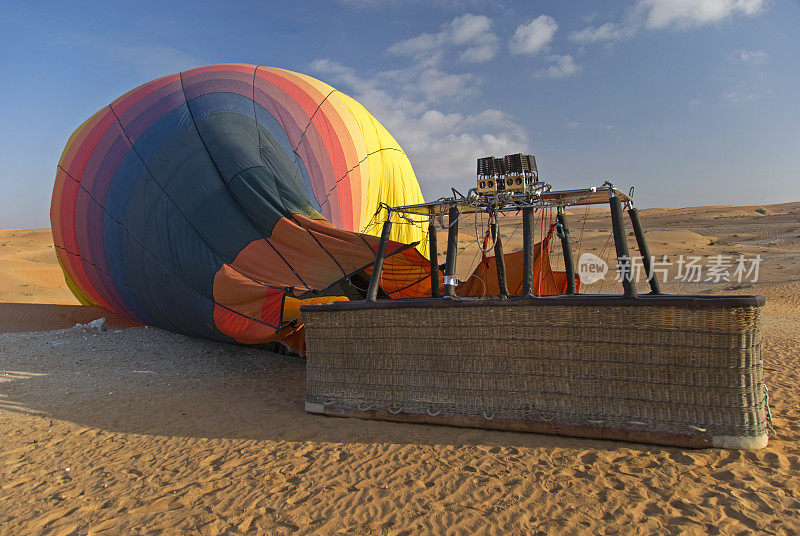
(29,270)
(141,431)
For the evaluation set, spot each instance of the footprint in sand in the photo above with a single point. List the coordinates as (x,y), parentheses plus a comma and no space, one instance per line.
(725,476)
(652,509)
(794,463)
(682,457)
(731,456)
(776,461)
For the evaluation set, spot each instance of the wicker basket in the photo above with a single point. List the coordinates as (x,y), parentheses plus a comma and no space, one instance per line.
(677,370)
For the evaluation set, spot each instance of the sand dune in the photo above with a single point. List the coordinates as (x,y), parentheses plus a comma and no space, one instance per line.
(29,270)
(141,431)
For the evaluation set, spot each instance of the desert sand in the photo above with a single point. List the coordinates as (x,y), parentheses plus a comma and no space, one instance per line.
(142,431)
(29,270)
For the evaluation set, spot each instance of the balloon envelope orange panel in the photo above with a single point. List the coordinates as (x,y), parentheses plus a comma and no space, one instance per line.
(210,201)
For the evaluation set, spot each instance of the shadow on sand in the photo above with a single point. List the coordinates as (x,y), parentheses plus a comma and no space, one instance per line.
(22,317)
(153,382)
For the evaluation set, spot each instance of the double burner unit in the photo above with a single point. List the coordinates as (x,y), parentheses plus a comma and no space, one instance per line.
(513,173)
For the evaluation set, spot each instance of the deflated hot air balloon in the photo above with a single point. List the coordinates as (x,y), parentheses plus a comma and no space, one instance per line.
(214,202)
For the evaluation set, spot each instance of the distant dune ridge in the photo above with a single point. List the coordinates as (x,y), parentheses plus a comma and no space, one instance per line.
(29,270)
(144,431)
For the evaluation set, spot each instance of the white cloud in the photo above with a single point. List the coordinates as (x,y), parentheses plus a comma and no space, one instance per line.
(367,89)
(424,42)
(753,57)
(659,14)
(606,32)
(480,53)
(442,146)
(738,96)
(415,86)
(573,124)
(561,67)
(375,4)
(436,85)
(467,28)
(341,73)
(471,33)
(534,36)
(392,4)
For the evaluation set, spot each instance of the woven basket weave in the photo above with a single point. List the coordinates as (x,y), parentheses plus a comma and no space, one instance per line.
(684,371)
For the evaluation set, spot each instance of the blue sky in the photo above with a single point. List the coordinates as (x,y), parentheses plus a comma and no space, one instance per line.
(692,101)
